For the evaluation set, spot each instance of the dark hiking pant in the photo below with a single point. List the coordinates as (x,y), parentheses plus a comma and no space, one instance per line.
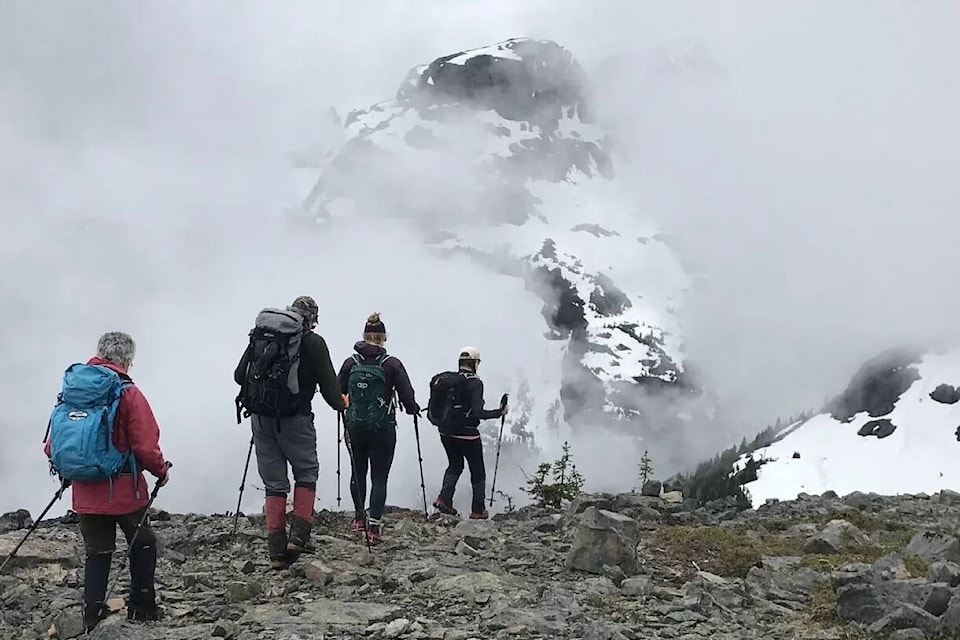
(99,534)
(283,441)
(374,449)
(458,450)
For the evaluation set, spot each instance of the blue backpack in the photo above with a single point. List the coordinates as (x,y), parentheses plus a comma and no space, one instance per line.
(81,425)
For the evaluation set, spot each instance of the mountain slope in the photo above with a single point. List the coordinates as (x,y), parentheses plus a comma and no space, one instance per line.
(893,430)
(493,153)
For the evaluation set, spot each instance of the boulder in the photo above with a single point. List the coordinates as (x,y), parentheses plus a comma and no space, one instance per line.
(604,538)
(933,546)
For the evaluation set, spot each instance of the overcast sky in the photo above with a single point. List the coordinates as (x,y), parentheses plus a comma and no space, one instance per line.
(811,178)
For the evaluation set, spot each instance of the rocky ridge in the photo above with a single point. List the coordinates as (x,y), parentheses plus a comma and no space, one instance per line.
(607,567)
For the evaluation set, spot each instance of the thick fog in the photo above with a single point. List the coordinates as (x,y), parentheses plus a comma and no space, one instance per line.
(802,166)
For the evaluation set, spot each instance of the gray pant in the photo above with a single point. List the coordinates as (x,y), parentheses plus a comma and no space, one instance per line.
(280,441)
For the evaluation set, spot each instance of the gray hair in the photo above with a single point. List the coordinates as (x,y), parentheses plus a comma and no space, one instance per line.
(117,347)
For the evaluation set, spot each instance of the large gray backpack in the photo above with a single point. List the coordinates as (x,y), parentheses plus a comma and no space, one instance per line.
(270,385)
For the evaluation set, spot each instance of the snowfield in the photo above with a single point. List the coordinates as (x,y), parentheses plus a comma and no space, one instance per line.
(920,456)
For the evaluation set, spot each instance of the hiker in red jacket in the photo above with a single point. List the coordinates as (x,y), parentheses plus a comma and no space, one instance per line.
(121,500)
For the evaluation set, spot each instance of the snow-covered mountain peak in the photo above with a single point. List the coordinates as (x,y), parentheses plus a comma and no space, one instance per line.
(895,429)
(492,153)
(521,79)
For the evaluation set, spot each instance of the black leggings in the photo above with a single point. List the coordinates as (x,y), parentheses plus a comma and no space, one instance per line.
(458,450)
(376,450)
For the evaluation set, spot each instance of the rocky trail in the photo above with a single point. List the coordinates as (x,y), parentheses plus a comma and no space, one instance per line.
(608,567)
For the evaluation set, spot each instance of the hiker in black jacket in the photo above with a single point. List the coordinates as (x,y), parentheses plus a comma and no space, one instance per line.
(461,439)
(290,443)
(368,379)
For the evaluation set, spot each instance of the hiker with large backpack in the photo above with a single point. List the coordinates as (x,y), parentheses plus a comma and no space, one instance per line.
(456,408)
(368,379)
(278,375)
(101,436)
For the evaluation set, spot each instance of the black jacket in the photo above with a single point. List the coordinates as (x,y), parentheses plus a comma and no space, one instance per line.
(397,378)
(315,369)
(473,403)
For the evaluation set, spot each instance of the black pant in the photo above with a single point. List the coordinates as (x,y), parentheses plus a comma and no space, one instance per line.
(458,450)
(373,448)
(100,540)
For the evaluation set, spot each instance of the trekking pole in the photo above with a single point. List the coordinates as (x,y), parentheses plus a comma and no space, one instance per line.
(339,423)
(133,538)
(236,514)
(503,419)
(63,487)
(356,481)
(423,488)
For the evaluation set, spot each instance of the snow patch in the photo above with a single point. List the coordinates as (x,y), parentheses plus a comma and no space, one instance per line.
(920,456)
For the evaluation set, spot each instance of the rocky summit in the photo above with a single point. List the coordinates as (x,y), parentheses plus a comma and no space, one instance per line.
(606,567)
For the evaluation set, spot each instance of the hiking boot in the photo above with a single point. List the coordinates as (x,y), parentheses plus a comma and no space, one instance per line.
(93,614)
(374,532)
(152,614)
(358,525)
(479,515)
(442,507)
(299,540)
(277,547)
(142,603)
(96,574)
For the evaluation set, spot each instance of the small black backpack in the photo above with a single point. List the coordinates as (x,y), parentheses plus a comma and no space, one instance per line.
(445,408)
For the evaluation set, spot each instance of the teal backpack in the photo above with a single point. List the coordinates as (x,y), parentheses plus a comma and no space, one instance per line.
(371,408)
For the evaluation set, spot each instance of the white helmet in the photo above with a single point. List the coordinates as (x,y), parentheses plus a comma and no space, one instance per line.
(470,353)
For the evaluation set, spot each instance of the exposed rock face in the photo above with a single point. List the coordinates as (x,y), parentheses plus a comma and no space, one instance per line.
(878,385)
(698,573)
(879,428)
(946,394)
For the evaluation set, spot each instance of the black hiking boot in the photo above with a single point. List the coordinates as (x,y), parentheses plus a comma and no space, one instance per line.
(142,604)
(277,547)
(299,541)
(96,574)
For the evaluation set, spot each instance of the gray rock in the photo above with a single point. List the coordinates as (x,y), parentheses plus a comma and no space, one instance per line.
(861,603)
(906,616)
(932,546)
(943,571)
(938,600)
(614,573)
(780,563)
(604,537)
(651,488)
(396,628)
(15,520)
(637,586)
(36,551)
(836,536)
(950,619)
(240,591)
(68,624)
(907,634)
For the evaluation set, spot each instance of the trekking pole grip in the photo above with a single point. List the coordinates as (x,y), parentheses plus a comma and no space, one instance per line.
(156,487)
(503,401)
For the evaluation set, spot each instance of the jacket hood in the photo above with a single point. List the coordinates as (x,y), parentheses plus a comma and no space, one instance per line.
(367,350)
